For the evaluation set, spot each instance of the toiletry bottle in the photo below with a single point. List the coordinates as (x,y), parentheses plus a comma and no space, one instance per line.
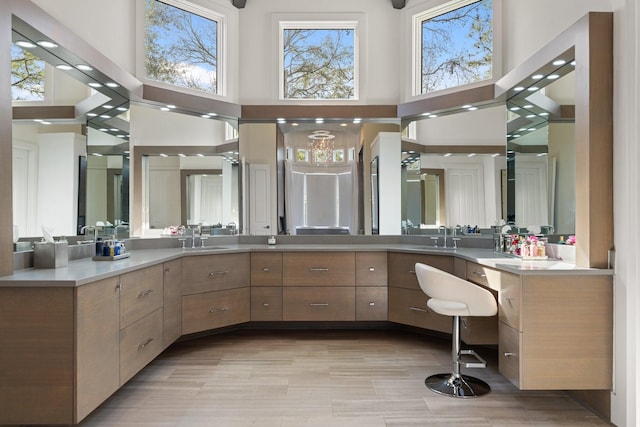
(99,246)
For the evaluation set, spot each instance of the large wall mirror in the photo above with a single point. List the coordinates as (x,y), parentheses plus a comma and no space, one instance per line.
(188,172)
(542,150)
(453,171)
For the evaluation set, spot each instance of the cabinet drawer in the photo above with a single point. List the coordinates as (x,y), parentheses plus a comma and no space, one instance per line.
(319,269)
(509,351)
(318,303)
(409,307)
(371,303)
(510,301)
(371,269)
(206,273)
(140,294)
(140,343)
(402,272)
(266,303)
(211,310)
(478,330)
(266,269)
(489,277)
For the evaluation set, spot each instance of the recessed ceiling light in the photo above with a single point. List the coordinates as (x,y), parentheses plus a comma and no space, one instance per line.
(84,67)
(319,120)
(64,67)
(94,84)
(126,151)
(516,136)
(104,116)
(573,63)
(433,116)
(532,88)
(531,129)
(466,106)
(357,120)
(26,44)
(527,106)
(111,84)
(537,76)
(343,124)
(472,108)
(541,154)
(514,108)
(530,116)
(47,44)
(163,155)
(205,116)
(171,106)
(97,154)
(295,124)
(425,114)
(120,136)
(553,76)
(114,129)
(200,155)
(37,120)
(495,154)
(45,123)
(544,114)
(522,129)
(107,106)
(103,129)
(213,114)
(471,154)
(91,114)
(447,154)
(164,109)
(559,62)
(182,155)
(518,89)
(122,108)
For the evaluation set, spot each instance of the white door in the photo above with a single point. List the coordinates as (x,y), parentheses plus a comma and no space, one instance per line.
(260,200)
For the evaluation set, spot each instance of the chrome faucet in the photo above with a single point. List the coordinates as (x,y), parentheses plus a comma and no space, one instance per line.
(84,229)
(444,232)
(115,229)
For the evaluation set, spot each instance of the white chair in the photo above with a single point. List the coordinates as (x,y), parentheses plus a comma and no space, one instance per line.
(453,296)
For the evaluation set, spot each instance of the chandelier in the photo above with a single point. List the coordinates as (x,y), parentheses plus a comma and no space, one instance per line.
(321,143)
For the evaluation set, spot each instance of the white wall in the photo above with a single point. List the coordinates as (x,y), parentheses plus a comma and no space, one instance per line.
(387,147)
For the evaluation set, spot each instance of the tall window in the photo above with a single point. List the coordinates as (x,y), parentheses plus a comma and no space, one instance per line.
(318,60)
(182,45)
(27,76)
(456,45)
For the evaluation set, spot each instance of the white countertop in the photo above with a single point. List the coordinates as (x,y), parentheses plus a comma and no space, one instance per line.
(83,271)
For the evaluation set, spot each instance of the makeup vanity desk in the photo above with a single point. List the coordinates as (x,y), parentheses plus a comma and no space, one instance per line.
(70,337)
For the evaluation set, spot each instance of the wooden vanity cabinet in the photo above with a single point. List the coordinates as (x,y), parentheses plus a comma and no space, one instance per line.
(319,286)
(407,302)
(266,286)
(141,319)
(215,291)
(371,286)
(97,344)
(172,305)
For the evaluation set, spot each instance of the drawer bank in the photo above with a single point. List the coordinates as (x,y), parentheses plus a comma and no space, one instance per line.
(70,337)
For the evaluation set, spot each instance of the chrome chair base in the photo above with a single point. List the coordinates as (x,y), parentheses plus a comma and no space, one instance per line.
(462,386)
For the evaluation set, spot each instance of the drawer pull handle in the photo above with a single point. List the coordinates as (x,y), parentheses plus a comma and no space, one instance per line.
(145,343)
(318,269)
(412,272)
(167,270)
(266,269)
(421,310)
(266,304)
(371,304)
(144,293)
(479,274)
(216,310)
(508,354)
(218,273)
(372,269)
(319,304)
(465,324)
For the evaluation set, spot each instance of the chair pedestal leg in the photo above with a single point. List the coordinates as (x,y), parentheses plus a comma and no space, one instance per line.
(455,384)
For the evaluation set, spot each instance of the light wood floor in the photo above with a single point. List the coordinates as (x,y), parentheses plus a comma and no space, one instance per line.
(321,378)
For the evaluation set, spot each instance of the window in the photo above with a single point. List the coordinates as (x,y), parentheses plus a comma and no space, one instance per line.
(182,45)
(318,60)
(455,43)
(27,76)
